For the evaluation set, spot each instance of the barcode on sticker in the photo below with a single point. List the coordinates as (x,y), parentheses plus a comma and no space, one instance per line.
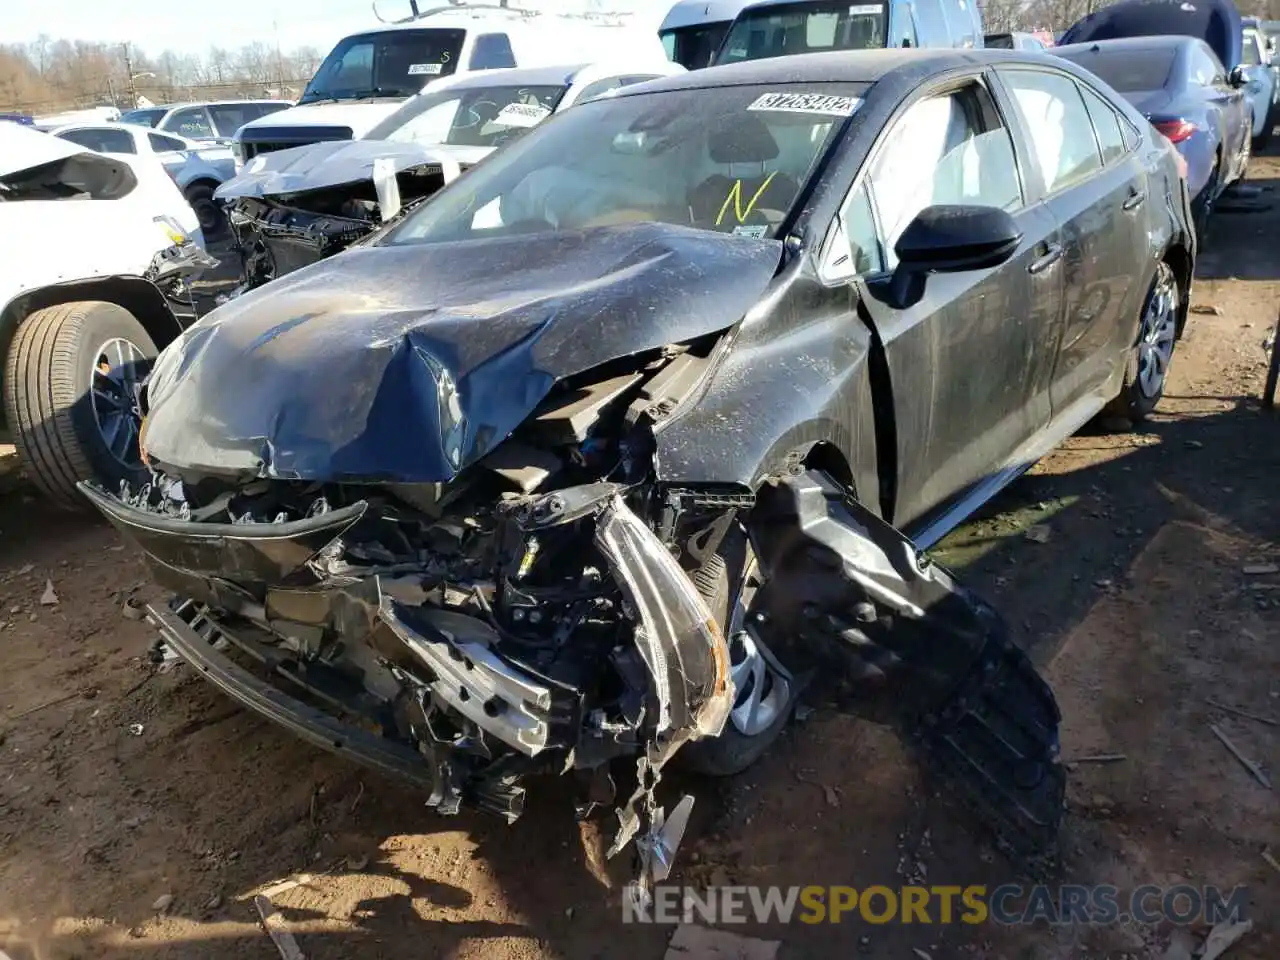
(425,69)
(820,103)
(521,115)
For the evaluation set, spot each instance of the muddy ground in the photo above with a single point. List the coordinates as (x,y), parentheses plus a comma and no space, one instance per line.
(124,790)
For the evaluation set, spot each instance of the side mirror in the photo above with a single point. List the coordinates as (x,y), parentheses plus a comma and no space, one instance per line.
(1237,77)
(951,238)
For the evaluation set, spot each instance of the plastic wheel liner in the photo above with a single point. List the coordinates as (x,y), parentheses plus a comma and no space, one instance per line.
(892,637)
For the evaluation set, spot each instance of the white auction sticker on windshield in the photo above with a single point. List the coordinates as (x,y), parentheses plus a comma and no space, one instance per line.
(521,115)
(822,103)
(425,69)
(755,232)
(865,8)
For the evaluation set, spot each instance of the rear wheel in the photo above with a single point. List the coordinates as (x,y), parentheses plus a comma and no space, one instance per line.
(70,396)
(764,691)
(1147,367)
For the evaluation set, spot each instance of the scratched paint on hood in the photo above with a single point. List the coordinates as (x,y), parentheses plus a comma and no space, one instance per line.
(406,363)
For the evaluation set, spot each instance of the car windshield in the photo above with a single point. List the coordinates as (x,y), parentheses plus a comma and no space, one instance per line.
(729,159)
(1127,71)
(388,63)
(783,29)
(474,117)
(144,118)
(694,47)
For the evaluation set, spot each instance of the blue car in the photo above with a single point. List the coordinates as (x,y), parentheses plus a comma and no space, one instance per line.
(1180,85)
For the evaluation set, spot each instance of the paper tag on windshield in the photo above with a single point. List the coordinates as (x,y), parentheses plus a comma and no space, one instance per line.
(865,8)
(821,103)
(755,233)
(425,69)
(521,115)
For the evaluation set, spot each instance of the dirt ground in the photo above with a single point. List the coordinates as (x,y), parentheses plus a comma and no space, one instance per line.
(140,810)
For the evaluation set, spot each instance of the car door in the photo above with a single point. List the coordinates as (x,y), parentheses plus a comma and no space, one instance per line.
(1100,209)
(970,363)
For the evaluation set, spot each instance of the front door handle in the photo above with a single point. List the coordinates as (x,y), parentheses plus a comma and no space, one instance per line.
(1135,200)
(1052,254)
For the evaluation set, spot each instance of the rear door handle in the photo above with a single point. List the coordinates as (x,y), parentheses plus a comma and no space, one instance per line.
(1052,254)
(1135,200)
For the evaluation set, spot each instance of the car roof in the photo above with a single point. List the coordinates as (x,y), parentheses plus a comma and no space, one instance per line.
(843,66)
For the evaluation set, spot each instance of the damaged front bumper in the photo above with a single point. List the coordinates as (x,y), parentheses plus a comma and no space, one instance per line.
(235,579)
(449,699)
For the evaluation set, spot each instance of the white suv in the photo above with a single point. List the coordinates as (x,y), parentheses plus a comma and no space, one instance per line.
(369,74)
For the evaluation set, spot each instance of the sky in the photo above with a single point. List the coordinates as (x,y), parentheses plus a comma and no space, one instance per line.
(192,27)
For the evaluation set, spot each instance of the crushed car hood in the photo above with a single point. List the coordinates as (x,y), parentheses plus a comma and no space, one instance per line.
(319,166)
(407,363)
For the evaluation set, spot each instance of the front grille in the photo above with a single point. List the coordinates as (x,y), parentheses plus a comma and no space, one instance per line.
(270,139)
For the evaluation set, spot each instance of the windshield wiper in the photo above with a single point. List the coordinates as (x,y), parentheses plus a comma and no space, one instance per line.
(380,92)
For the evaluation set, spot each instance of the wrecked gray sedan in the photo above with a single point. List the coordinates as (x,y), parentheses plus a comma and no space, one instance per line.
(605,453)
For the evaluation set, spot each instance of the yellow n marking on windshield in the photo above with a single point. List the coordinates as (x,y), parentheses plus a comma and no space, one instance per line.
(735,197)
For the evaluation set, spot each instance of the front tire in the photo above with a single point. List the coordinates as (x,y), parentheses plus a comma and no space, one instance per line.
(70,391)
(213,222)
(1147,366)
(765,692)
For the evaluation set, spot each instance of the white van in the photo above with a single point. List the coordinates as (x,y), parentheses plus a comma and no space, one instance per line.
(369,74)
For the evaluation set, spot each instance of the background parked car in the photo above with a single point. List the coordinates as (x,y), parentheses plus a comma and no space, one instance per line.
(1260,85)
(777,28)
(368,74)
(91,286)
(1014,41)
(1216,22)
(1180,85)
(196,168)
(213,120)
(694,29)
(292,207)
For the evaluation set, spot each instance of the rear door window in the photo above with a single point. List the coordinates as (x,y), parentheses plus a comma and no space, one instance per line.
(1056,120)
(102,140)
(1106,124)
(162,144)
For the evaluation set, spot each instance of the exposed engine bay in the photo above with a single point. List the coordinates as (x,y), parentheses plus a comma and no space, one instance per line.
(553,609)
(290,209)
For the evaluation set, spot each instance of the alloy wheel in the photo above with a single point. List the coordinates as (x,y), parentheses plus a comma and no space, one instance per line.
(762,687)
(1159,333)
(113,391)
